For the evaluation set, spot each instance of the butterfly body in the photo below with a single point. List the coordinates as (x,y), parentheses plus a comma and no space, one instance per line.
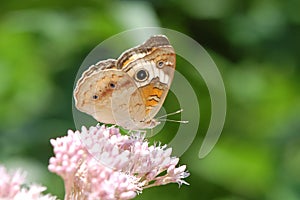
(130,90)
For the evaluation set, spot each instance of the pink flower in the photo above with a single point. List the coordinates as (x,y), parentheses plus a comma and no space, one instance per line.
(100,163)
(33,193)
(11,187)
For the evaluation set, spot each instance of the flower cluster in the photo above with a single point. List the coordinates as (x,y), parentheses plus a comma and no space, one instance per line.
(12,187)
(100,163)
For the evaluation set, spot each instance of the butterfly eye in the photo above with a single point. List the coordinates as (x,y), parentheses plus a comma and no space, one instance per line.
(160,64)
(141,75)
(112,85)
(95,96)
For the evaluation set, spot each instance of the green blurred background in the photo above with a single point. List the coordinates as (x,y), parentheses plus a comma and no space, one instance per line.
(255,44)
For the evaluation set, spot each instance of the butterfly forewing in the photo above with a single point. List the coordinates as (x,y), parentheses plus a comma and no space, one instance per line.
(157,59)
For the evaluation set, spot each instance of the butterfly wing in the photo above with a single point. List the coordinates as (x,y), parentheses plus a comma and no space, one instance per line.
(151,66)
(104,92)
(94,90)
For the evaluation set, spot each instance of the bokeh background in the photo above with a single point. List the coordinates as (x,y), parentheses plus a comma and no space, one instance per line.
(255,44)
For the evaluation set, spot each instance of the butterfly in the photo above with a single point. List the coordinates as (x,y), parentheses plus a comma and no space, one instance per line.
(128,91)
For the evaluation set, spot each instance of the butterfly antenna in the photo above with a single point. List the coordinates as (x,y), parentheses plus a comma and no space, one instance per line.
(173,113)
(172,120)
